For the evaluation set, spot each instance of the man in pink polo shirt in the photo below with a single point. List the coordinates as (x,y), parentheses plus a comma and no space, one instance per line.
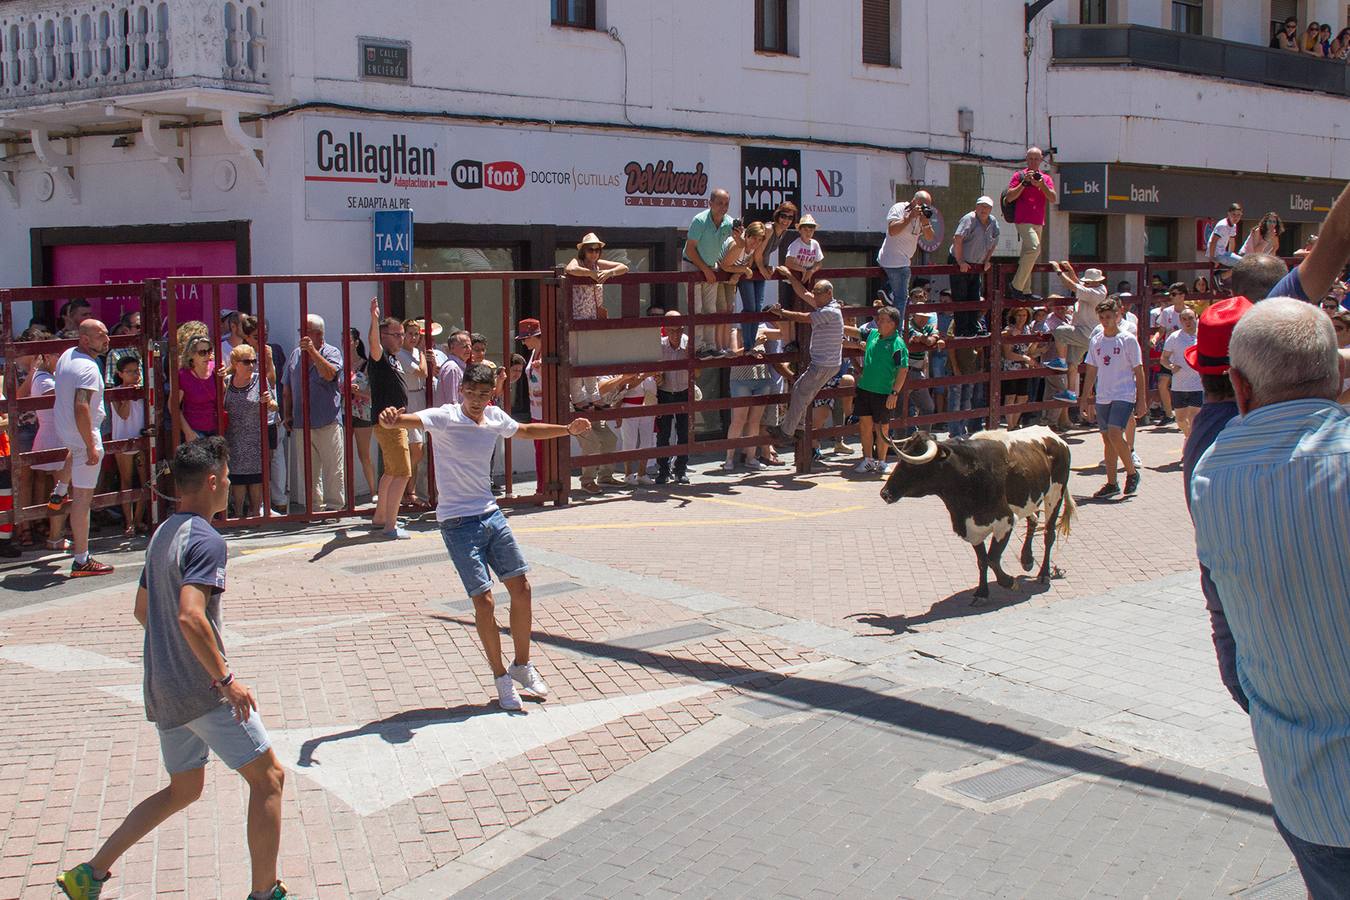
(1031,192)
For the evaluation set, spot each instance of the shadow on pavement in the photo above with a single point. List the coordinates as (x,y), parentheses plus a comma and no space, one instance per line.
(911,715)
(955,606)
(399,728)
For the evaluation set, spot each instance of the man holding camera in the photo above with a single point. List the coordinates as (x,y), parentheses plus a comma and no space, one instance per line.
(1031,192)
(905,224)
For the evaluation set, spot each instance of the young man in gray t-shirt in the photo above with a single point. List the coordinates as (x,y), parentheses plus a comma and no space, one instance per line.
(191,695)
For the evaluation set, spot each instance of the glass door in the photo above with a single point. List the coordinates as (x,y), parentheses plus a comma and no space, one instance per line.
(483,312)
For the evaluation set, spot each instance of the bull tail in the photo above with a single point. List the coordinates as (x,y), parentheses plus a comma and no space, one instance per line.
(1068,511)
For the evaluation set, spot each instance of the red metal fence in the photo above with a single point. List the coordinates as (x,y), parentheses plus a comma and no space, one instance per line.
(550,294)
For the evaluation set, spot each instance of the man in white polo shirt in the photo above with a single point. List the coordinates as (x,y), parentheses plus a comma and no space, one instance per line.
(78,415)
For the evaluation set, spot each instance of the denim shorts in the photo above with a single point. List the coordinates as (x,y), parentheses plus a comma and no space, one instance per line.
(752,387)
(480,543)
(1115,414)
(236,743)
(1325,870)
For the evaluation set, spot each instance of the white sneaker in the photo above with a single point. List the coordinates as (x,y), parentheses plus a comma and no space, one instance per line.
(729,466)
(878,465)
(529,679)
(507,698)
(632,480)
(754,465)
(1134,458)
(646,479)
(864,466)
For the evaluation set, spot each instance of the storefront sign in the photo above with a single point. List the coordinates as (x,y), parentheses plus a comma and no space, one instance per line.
(384,60)
(393,232)
(454,173)
(1098,187)
(830,191)
(769,176)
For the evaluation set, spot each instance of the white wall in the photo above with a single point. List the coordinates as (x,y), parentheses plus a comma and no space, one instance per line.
(689,66)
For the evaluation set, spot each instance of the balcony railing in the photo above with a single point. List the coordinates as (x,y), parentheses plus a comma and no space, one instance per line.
(60,50)
(1157,48)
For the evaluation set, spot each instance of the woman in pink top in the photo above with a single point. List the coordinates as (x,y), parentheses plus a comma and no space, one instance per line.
(193,404)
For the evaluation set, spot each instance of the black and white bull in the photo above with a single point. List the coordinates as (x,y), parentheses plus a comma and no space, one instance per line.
(986,482)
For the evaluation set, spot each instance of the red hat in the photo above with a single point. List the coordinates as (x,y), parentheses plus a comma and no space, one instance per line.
(526,328)
(1209,354)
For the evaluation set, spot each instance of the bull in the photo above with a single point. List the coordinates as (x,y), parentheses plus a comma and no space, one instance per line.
(986,481)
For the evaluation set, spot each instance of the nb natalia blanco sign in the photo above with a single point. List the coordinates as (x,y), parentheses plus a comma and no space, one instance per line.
(455,173)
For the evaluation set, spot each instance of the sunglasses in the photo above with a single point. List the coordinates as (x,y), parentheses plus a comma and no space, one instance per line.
(205,351)
(784,217)
(247,362)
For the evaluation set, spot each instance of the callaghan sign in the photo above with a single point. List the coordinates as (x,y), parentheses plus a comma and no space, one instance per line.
(1103,188)
(480,174)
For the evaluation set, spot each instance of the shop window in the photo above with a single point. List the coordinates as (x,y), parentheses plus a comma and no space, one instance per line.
(574,13)
(483,312)
(1087,238)
(771,26)
(1092,12)
(1160,239)
(1188,16)
(881,32)
(637,259)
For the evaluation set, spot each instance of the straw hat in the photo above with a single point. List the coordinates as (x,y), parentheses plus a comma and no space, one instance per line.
(1093,276)
(807,221)
(591,238)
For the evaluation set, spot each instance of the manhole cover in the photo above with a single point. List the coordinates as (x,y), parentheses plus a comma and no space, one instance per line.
(1017,777)
(1288,886)
(680,633)
(402,562)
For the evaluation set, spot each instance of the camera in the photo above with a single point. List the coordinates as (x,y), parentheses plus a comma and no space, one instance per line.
(926,211)
(1038,176)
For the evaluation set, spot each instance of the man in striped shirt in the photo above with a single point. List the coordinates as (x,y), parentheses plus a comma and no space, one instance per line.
(827,350)
(1271,503)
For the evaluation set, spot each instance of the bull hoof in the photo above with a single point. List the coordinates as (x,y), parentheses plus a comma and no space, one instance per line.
(1055,572)
(1007,581)
(1027,562)
(979,600)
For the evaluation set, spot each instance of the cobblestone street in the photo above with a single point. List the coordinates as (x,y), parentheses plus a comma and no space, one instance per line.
(761,686)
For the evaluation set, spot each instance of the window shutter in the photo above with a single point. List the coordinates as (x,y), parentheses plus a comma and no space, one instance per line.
(759,24)
(876,32)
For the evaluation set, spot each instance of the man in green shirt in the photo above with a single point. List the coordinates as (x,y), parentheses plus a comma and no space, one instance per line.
(707,232)
(885,367)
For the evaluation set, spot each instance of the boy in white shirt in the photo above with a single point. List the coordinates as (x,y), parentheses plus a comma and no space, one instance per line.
(804,255)
(474,530)
(1115,369)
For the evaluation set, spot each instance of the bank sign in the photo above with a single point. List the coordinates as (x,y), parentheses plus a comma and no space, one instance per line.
(1103,188)
(453,173)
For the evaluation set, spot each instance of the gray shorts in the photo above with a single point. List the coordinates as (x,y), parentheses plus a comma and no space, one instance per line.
(236,743)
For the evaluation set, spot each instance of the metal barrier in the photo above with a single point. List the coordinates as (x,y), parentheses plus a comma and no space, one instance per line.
(559,326)
(991,346)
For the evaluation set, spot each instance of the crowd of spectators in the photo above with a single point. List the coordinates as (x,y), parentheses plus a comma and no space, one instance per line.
(1315,40)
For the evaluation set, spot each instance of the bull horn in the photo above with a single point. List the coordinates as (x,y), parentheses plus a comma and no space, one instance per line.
(929,453)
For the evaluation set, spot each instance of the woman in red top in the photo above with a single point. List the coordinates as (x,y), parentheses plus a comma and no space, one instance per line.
(193,405)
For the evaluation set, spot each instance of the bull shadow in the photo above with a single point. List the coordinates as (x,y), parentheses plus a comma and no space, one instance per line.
(953,606)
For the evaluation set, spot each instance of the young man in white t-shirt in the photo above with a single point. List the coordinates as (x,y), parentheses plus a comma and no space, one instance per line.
(475,532)
(78,414)
(1163,322)
(1115,372)
(1222,247)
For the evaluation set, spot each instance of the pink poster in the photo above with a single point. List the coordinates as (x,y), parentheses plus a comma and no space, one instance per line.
(117,263)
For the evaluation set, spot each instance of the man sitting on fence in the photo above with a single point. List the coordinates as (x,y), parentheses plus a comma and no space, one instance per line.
(827,350)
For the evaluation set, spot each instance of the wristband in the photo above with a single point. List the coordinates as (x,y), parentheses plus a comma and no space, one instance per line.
(222,682)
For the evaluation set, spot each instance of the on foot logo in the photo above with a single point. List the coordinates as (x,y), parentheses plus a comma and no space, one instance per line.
(470,174)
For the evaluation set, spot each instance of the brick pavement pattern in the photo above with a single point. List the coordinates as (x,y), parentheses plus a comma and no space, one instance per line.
(370,678)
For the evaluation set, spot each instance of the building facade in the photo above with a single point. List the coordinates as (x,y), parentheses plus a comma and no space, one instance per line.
(145,138)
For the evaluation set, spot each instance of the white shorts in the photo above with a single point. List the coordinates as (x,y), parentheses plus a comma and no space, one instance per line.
(84,476)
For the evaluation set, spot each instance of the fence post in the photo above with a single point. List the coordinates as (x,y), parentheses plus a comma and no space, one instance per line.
(995,324)
(558,325)
(10,516)
(151,292)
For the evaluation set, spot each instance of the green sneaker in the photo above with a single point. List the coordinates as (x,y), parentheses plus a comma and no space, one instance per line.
(279,892)
(79,883)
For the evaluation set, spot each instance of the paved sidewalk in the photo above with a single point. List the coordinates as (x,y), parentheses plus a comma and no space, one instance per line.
(737,667)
